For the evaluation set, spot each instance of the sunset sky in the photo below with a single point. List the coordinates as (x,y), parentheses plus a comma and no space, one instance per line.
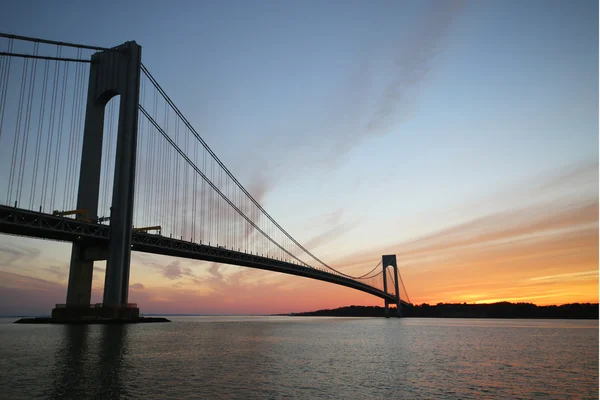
(460,136)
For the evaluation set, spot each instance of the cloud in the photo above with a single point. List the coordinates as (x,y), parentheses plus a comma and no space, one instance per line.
(346,123)
(27,295)
(137,286)
(335,217)
(214,271)
(356,109)
(9,279)
(582,174)
(413,63)
(349,119)
(561,184)
(496,228)
(175,271)
(259,186)
(566,276)
(244,290)
(330,234)
(544,248)
(12,253)
(505,229)
(60,272)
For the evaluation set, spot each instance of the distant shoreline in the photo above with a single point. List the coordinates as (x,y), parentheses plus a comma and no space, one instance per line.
(496,310)
(442,310)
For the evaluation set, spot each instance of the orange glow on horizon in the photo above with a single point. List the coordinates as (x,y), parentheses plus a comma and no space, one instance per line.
(538,254)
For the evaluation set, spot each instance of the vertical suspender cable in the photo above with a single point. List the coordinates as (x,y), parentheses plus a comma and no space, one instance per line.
(50,141)
(402,283)
(139,171)
(144,172)
(5,78)
(79,132)
(183,205)
(38,140)
(194,193)
(70,149)
(23,156)
(28,112)
(17,132)
(151,188)
(60,133)
(204,232)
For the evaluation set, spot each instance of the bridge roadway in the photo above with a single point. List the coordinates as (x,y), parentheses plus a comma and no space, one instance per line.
(17,221)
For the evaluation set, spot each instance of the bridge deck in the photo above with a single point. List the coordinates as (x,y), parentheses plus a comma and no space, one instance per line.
(23,222)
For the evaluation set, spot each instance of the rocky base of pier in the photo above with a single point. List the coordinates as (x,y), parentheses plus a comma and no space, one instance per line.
(96,314)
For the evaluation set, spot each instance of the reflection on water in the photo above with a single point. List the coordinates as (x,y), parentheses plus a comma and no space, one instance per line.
(113,352)
(282,357)
(70,362)
(89,362)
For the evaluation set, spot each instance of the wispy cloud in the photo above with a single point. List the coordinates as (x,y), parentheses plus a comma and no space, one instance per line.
(60,273)
(11,253)
(174,271)
(545,250)
(325,136)
(566,276)
(331,233)
(214,271)
(414,61)
(137,286)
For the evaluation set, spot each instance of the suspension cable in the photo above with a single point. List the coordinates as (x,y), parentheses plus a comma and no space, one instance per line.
(368,277)
(47,58)
(65,44)
(4,81)
(215,188)
(220,163)
(403,287)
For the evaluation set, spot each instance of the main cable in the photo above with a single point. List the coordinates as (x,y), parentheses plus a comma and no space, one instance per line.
(264,212)
(368,277)
(403,287)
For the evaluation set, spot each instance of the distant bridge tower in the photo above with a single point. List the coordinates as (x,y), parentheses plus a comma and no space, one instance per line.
(390,261)
(113,72)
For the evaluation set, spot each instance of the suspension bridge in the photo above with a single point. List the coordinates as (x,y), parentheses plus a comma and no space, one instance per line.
(93,151)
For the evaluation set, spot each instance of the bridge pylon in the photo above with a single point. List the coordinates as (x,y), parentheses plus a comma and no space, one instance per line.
(113,72)
(386,262)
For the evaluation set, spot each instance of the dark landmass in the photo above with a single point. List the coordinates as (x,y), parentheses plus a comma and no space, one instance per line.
(442,310)
(49,320)
(210,315)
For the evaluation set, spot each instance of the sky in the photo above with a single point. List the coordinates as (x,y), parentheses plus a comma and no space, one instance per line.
(460,136)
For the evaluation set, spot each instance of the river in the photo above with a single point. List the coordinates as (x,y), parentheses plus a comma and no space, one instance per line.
(302,358)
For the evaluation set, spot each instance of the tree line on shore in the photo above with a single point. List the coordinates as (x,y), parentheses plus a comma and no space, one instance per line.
(464,310)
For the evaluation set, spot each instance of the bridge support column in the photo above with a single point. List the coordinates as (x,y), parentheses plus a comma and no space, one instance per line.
(80,271)
(79,289)
(396,279)
(390,261)
(116,285)
(112,72)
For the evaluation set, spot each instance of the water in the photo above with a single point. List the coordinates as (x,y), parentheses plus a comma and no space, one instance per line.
(307,358)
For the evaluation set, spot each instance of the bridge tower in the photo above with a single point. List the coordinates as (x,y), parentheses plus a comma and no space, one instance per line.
(386,262)
(112,72)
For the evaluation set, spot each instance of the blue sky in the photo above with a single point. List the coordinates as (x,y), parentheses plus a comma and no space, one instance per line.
(388,120)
